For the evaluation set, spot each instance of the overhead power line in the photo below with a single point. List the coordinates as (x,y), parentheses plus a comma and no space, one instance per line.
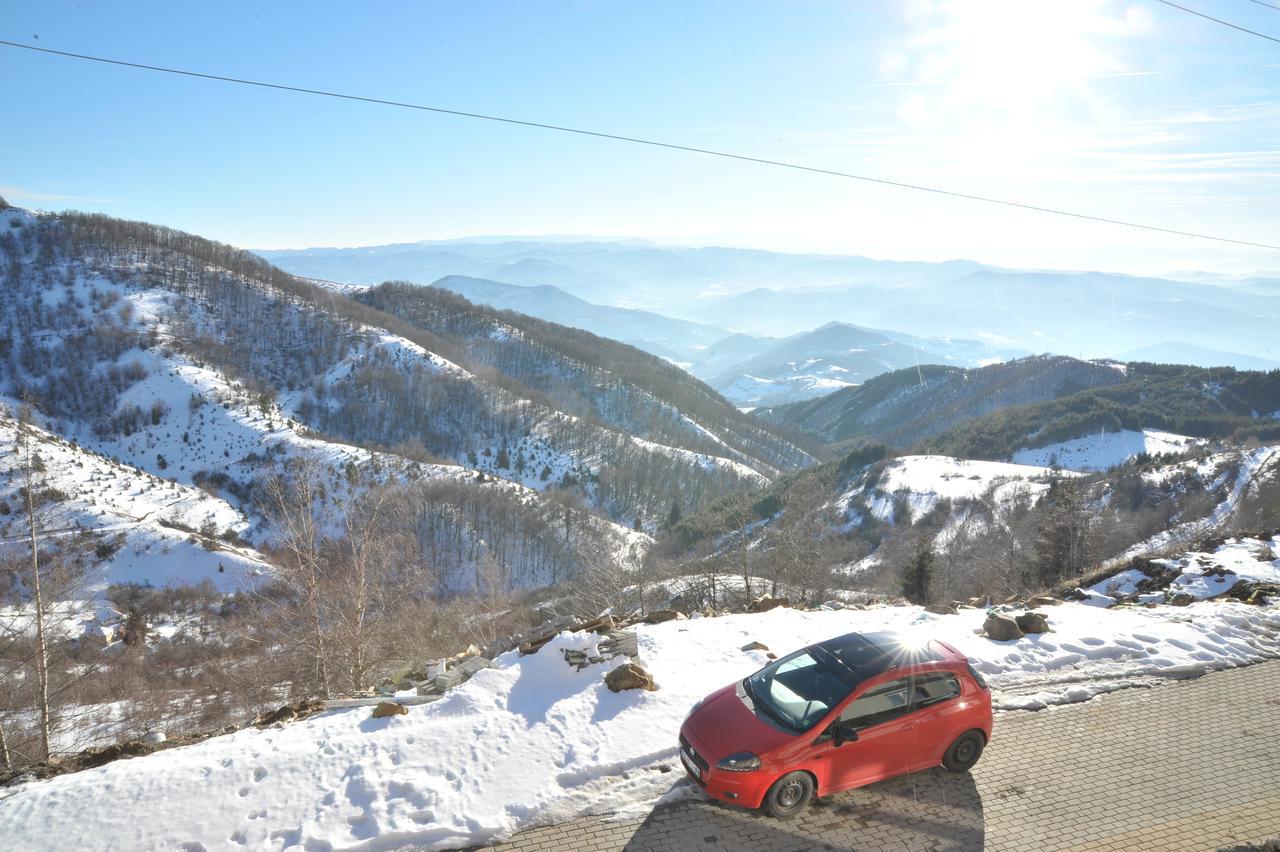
(1264,3)
(640,141)
(1220,21)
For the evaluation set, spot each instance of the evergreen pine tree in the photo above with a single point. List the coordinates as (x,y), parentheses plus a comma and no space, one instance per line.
(917,576)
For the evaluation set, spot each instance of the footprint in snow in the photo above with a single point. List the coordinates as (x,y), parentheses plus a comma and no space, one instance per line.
(259,774)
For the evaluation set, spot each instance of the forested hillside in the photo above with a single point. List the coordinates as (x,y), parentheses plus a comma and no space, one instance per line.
(992,412)
(192,360)
(903,407)
(1217,402)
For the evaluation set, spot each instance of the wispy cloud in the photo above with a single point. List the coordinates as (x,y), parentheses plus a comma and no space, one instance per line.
(17,193)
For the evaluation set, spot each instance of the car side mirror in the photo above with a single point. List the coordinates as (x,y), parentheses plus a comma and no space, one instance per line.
(844,731)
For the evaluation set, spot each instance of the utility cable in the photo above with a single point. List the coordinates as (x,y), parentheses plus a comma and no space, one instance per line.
(1220,21)
(653,143)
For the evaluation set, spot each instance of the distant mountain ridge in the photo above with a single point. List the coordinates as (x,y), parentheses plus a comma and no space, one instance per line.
(907,406)
(838,355)
(774,295)
(656,334)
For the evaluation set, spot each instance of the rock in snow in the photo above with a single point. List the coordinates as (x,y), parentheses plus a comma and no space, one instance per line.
(389,708)
(1001,628)
(629,676)
(1032,622)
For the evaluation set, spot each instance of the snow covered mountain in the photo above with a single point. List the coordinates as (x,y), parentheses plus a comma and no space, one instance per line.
(1034,403)
(903,407)
(986,524)
(837,355)
(629,274)
(1094,313)
(191,365)
(679,340)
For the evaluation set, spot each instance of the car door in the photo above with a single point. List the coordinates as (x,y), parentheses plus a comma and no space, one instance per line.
(884,747)
(934,716)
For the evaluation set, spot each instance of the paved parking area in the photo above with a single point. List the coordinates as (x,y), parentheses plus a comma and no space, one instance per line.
(1184,765)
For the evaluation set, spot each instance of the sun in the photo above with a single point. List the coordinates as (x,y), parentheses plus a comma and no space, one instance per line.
(1016,57)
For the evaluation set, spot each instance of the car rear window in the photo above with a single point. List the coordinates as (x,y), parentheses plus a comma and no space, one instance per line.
(933,689)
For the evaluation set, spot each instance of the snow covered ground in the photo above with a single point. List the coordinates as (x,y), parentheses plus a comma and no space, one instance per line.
(1106,449)
(925,480)
(142,522)
(757,391)
(534,741)
(1200,574)
(1249,468)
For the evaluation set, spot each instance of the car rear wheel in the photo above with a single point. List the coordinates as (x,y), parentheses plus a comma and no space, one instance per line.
(789,795)
(964,752)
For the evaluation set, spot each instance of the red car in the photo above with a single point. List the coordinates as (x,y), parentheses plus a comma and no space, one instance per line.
(839,714)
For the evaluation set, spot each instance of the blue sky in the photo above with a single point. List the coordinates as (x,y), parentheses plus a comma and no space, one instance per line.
(1131,110)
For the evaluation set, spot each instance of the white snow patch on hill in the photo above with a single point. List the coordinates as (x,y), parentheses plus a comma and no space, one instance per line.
(756,390)
(1201,574)
(1105,450)
(534,741)
(144,520)
(925,480)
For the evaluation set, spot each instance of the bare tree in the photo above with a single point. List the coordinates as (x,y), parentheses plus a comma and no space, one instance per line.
(25,441)
(293,502)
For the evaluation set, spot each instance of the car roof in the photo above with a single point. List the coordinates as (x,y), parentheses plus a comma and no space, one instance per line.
(857,657)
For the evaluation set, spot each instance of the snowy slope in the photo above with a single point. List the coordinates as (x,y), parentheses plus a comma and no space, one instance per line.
(805,382)
(924,481)
(142,524)
(1200,574)
(533,741)
(1105,450)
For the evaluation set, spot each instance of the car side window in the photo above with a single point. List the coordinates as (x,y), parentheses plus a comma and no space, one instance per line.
(880,704)
(934,689)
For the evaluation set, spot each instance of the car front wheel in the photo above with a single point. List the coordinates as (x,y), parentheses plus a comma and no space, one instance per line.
(789,795)
(964,752)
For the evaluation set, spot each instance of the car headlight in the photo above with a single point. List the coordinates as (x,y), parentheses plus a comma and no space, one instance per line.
(743,761)
(693,709)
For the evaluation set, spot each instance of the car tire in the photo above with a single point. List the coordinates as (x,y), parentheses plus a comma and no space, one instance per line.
(964,752)
(789,795)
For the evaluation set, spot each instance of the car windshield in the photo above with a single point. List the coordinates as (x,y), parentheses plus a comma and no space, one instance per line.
(798,690)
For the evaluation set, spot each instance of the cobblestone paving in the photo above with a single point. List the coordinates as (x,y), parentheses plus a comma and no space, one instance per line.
(1184,765)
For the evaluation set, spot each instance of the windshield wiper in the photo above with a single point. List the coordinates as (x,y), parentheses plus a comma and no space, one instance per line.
(769,710)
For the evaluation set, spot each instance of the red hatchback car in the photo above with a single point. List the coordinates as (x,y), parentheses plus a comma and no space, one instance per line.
(839,714)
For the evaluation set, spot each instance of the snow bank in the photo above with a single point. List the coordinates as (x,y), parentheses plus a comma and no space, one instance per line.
(1106,449)
(534,741)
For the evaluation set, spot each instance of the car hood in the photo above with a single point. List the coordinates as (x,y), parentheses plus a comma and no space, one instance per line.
(723,725)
